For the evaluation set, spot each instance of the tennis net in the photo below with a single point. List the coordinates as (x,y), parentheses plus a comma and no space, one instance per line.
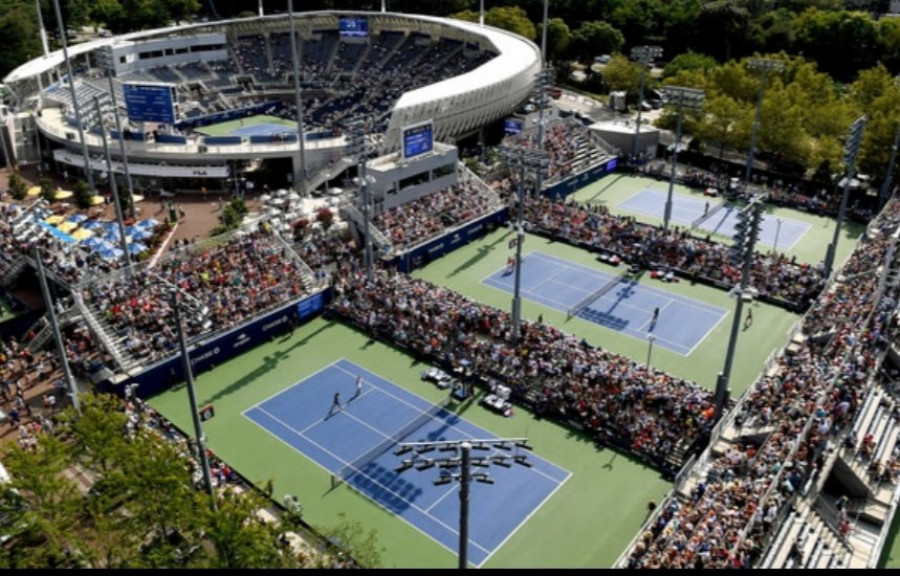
(594,296)
(347,471)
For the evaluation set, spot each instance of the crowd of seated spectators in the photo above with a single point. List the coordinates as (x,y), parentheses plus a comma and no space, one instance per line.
(568,144)
(777,277)
(412,223)
(810,397)
(235,280)
(621,401)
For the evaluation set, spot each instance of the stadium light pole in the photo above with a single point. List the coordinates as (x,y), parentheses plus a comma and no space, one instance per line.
(764,66)
(524,159)
(8,158)
(57,335)
(888,179)
(298,101)
(541,98)
(122,152)
(462,461)
(643,55)
(481,13)
(650,340)
(88,173)
(749,219)
(192,398)
(360,149)
(778,223)
(44,44)
(114,188)
(692,99)
(851,150)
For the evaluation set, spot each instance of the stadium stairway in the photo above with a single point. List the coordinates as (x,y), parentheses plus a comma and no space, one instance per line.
(98,331)
(814,535)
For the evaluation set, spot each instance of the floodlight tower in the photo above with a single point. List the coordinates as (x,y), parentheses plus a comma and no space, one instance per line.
(524,159)
(764,66)
(692,99)
(644,55)
(461,461)
(741,253)
(851,150)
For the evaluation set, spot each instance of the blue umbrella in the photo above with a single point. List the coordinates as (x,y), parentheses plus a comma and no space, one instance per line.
(109,253)
(136,248)
(92,224)
(148,223)
(93,242)
(141,233)
(77,218)
(110,225)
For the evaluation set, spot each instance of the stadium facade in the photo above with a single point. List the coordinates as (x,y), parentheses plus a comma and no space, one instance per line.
(395,70)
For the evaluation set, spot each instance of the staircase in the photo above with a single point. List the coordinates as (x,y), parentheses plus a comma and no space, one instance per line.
(116,351)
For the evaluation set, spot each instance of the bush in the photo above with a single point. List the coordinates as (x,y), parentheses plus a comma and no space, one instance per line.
(17,187)
(48,189)
(82,195)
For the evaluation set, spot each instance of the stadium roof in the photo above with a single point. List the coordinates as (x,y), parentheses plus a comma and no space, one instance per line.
(515,53)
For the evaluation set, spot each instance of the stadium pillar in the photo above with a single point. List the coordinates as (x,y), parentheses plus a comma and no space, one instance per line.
(57,335)
(192,398)
(300,176)
(851,150)
(88,173)
(114,188)
(122,152)
(764,66)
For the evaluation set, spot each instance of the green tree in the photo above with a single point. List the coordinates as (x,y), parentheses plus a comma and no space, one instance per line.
(689,61)
(621,73)
(48,189)
(18,28)
(594,38)
(82,194)
(45,505)
(510,18)
(842,42)
(17,187)
(558,38)
(350,539)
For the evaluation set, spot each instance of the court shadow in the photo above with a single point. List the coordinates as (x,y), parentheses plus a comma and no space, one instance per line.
(269,362)
(479,255)
(604,189)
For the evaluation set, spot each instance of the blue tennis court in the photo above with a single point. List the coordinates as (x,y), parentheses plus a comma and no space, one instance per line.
(625,307)
(298,416)
(721,217)
(264,130)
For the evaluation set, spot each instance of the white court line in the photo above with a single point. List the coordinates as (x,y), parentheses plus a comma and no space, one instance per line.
(292,386)
(441,499)
(452,427)
(317,422)
(374,481)
(527,518)
(488,277)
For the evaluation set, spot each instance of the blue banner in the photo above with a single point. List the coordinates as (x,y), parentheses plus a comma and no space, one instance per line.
(226,346)
(580,180)
(421,255)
